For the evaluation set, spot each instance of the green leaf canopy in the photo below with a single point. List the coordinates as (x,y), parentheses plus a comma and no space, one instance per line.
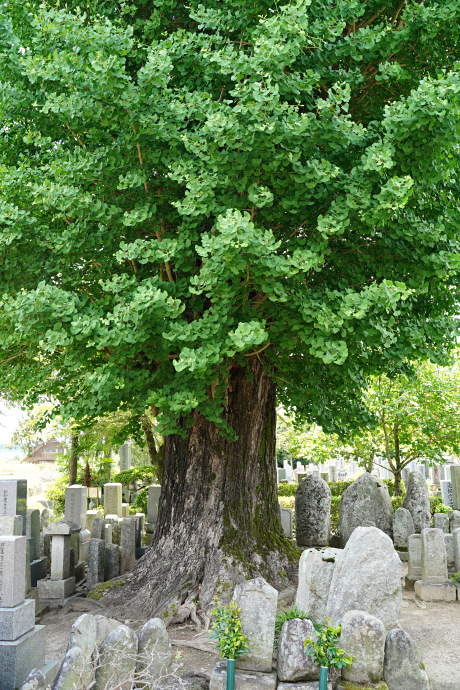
(186,185)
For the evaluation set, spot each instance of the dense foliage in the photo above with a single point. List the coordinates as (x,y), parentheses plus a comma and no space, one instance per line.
(227,630)
(324,649)
(187,185)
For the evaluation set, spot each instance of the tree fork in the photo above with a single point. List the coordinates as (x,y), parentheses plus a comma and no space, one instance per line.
(219,516)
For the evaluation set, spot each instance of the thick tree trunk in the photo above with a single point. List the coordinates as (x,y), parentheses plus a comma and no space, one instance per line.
(73,465)
(219,516)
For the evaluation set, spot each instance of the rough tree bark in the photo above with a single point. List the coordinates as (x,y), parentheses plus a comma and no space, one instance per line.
(155,454)
(219,516)
(73,464)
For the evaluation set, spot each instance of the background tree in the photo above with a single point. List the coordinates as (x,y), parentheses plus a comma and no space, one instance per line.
(418,416)
(207,205)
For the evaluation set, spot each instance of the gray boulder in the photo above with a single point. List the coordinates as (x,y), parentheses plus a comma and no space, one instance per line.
(403,527)
(366,500)
(367,578)
(244,680)
(293,663)
(117,660)
(104,626)
(363,637)
(154,650)
(316,567)
(312,511)
(417,501)
(402,669)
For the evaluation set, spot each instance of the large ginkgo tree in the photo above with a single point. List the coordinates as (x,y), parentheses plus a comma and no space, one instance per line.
(207,204)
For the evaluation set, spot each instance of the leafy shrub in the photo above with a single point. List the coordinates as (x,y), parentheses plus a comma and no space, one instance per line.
(287,615)
(323,650)
(140,502)
(56,493)
(437,506)
(227,630)
(287,489)
(143,474)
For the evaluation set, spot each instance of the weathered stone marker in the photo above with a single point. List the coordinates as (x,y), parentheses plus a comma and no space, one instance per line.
(365,501)
(125,457)
(417,501)
(414,550)
(434,585)
(113,499)
(257,601)
(446,492)
(61,583)
(128,542)
(316,568)
(96,563)
(13,499)
(153,500)
(441,521)
(312,511)
(455,479)
(75,505)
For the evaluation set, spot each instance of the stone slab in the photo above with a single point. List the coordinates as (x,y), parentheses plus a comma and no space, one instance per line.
(56,589)
(19,657)
(38,570)
(112,499)
(13,565)
(152,503)
(11,525)
(17,621)
(13,499)
(244,680)
(301,686)
(428,591)
(61,528)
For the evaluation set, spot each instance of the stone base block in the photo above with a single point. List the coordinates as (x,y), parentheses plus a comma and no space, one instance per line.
(80,571)
(19,657)
(244,680)
(313,685)
(56,589)
(446,591)
(38,570)
(347,685)
(403,555)
(410,581)
(140,551)
(17,621)
(50,671)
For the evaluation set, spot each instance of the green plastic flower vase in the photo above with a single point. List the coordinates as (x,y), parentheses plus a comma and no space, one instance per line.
(322,678)
(231,674)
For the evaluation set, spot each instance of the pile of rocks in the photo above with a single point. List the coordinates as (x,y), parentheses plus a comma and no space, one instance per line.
(102,654)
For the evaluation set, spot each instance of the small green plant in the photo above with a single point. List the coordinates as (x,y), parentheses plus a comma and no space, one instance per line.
(455,579)
(284,616)
(227,630)
(323,650)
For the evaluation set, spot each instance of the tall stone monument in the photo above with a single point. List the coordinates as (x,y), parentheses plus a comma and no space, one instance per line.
(22,643)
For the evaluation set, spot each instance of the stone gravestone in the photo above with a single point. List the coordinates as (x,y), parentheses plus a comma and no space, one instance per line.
(112,499)
(75,505)
(11,526)
(417,501)
(414,550)
(446,492)
(153,500)
(333,473)
(403,527)
(286,522)
(22,643)
(454,520)
(125,457)
(257,601)
(312,511)
(281,474)
(455,479)
(435,475)
(441,521)
(13,499)
(456,544)
(402,667)
(365,501)
(363,637)
(434,585)
(128,541)
(38,563)
(96,563)
(61,583)
(316,568)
